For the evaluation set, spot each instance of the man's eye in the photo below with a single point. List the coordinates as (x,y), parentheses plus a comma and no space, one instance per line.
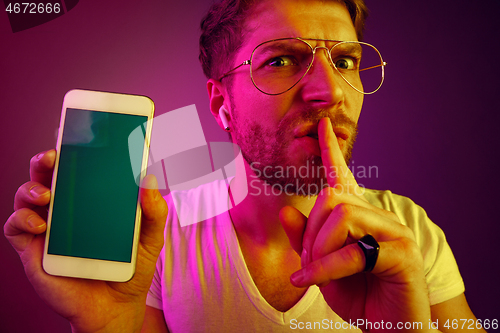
(345,63)
(281,61)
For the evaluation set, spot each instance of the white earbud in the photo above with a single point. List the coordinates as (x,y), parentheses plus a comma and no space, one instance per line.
(223,118)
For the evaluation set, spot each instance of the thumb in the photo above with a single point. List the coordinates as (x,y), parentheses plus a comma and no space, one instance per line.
(294,223)
(154,214)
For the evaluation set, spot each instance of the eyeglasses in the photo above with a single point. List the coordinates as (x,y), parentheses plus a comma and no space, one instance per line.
(277,65)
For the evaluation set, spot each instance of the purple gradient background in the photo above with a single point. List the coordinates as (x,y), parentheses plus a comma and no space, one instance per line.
(430,130)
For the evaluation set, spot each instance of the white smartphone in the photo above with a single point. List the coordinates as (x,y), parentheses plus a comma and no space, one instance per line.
(94,215)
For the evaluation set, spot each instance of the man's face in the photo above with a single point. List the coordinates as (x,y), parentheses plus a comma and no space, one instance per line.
(281,131)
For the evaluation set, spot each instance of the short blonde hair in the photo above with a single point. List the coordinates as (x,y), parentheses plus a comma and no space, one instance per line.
(222,35)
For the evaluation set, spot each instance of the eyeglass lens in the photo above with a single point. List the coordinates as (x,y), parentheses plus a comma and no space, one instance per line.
(277,66)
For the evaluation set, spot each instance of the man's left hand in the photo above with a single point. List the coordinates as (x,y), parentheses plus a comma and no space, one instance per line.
(396,289)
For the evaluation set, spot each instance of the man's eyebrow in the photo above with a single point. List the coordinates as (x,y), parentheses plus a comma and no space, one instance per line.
(282,46)
(351,48)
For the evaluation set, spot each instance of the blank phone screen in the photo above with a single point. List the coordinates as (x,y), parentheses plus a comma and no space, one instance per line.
(96,193)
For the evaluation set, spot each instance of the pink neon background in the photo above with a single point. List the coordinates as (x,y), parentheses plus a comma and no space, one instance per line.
(431,129)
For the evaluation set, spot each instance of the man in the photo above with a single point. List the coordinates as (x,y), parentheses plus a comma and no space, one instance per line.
(255,268)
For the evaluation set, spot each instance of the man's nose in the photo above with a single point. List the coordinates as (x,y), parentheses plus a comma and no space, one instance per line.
(323,85)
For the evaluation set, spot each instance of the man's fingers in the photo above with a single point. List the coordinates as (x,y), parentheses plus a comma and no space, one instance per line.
(393,259)
(347,261)
(154,214)
(42,167)
(31,195)
(328,199)
(21,227)
(338,174)
(349,222)
(294,223)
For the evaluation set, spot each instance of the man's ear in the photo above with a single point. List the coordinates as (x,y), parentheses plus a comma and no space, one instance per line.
(217,98)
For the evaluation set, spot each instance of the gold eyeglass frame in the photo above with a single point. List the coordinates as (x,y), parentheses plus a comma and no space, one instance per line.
(313,50)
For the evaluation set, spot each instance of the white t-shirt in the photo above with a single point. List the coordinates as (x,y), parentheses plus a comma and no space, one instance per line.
(202,283)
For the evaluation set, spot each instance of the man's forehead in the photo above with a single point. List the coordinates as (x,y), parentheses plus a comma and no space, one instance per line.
(324,19)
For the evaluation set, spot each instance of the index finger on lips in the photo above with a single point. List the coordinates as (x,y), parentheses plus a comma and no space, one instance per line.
(337,173)
(42,167)
(340,181)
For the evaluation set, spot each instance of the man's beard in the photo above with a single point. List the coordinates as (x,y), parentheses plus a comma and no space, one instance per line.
(265,150)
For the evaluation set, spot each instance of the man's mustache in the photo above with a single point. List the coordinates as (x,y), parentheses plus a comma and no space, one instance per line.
(338,118)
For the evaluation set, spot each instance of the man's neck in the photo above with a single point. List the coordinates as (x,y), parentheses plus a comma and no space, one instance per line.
(256,218)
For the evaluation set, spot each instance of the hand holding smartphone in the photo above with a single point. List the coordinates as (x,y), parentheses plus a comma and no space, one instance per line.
(90,305)
(94,214)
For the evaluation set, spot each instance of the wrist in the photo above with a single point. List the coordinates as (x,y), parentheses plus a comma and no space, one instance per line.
(125,320)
